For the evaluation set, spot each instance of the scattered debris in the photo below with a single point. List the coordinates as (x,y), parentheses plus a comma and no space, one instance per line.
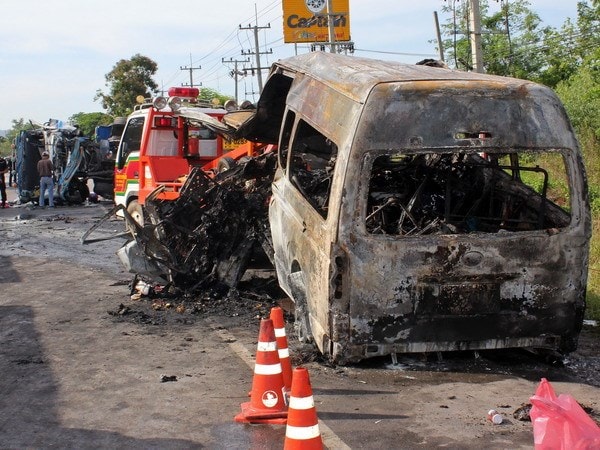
(168,378)
(522,412)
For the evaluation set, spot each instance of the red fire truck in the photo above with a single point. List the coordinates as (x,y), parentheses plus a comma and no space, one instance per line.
(163,141)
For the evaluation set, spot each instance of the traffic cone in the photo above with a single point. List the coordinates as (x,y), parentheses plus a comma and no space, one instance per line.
(282,346)
(302,430)
(267,398)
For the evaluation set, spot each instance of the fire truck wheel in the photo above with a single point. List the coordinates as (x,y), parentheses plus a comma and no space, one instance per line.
(135,210)
(225,163)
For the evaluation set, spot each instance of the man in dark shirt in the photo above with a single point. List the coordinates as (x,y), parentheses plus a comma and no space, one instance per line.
(3,170)
(45,170)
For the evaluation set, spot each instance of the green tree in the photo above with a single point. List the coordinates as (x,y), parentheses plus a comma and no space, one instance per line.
(559,53)
(212,96)
(581,97)
(17,126)
(88,122)
(128,79)
(578,85)
(509,38)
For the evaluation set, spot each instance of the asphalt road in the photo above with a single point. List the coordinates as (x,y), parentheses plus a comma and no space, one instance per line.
(77,375)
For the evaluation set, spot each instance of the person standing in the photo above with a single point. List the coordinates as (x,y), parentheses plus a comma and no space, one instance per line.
(46,170)
(12,167)
(3,170)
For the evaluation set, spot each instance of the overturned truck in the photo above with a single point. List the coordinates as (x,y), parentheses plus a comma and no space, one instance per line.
(76,159)
(422,209)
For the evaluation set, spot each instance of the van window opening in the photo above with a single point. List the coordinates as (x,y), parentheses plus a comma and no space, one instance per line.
(284,141)
(312,163)
(453,193)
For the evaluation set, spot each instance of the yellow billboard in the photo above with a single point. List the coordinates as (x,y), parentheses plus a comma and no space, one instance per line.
(308,20)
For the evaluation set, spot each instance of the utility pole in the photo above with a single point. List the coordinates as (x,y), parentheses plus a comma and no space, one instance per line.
(235,73)
(258,67)
(439,36)
(330,26)
(191,69)
(475,37)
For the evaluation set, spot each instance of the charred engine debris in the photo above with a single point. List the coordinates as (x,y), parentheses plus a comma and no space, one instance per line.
(208,236)
(458,193)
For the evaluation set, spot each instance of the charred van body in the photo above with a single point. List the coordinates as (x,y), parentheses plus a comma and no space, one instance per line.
(419,209)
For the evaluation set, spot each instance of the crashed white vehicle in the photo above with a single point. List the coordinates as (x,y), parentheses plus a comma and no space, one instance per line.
(422,209)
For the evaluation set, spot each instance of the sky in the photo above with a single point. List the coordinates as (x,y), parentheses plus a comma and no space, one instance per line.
(54,55)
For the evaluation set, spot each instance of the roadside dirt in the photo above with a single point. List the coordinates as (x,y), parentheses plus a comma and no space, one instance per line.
(83,361)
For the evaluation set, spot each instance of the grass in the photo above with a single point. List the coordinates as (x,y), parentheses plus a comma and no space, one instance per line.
(591,154)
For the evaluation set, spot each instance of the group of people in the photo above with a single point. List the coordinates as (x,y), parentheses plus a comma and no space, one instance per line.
(45,170)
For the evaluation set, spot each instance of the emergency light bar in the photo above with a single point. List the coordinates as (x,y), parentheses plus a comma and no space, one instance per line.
(184,92)
(162,122)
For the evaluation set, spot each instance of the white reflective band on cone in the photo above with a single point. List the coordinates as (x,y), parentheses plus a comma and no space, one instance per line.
(302,433)
(267,369)
(279,332)
(302,402)
(266,346)
(284,353)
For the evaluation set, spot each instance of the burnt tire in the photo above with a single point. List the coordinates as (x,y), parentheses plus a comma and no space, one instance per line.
(226,163)
(136,211)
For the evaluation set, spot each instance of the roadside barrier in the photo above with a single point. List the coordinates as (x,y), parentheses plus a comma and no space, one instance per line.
(268,395)
(282,346)
(302,430)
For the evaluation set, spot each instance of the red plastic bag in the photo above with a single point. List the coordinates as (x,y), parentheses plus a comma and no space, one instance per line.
(559,423)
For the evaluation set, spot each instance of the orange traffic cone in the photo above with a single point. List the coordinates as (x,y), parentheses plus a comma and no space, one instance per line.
(282,346)
(302,430)
(267,399)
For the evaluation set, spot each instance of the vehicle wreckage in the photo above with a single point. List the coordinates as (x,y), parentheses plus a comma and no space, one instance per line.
(76,159)
(412,209)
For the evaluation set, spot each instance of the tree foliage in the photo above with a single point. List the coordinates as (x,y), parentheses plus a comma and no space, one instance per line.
(212,96)
(88,122)
(580,90)
(17,126)
(509,38)
(128,79)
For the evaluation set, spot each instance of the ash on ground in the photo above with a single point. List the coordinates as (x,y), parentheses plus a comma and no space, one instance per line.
(252,299)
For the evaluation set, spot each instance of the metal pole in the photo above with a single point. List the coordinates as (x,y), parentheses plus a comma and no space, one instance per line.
(330,26)
(475,19)
(236,80)
(259,70)
(439,36)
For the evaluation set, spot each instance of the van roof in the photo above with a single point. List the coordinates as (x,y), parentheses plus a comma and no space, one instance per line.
(355,76)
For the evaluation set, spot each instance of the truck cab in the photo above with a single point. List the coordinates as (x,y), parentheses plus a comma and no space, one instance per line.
(161,142)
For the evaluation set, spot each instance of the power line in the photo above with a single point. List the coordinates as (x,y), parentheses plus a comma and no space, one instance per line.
(394,53)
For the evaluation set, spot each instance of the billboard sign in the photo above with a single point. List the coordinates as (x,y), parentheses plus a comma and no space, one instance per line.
(308,21)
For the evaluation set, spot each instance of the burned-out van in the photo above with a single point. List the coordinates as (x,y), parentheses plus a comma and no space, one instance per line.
(421,209)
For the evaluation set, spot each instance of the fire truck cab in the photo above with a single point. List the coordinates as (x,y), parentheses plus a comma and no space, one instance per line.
(161,142)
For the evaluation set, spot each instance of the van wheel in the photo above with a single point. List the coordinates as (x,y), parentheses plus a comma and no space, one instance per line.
(225,163)
(136,211)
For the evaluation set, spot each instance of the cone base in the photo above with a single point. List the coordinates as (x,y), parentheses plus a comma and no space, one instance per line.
(250,414)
